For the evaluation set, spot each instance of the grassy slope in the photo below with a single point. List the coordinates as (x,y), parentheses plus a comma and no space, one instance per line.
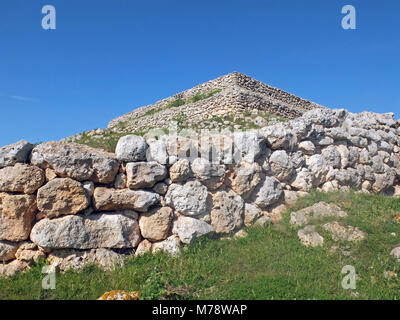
(269,264)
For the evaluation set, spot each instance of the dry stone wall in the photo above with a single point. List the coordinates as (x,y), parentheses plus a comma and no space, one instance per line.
(74,205)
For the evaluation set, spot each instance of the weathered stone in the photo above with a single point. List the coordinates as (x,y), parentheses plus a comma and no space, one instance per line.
(7,250)
(120,181)
(17,213)
(161,188)
(180,171)
(319,168)
(50,174)
(106,199)
(227,213)
(337,134)
(29,255)
(281,165)
(324,116)
(307,147)
(279,137)
(188,229)
(310,237)
(11,268)
(290,198)
(303,181)
(263,221)
(315,212)
(131,148)
(210,174)
(79,232)
(21,178)
(251,213)
(246,178)
(62,196)
(170,245)
(240,234)
(143,247)
(190,199)
(384,181)
(155,225)
(248,146)
(332,156)
(342,232)
(144,174)
(298,159)
(396,253)
(268,192)
(76,161)
(66,259)
(157,151)
(15,153)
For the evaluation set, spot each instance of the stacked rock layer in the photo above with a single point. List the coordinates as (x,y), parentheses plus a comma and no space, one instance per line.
(73,204)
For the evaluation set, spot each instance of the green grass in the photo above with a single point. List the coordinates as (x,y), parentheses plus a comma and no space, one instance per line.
(107,141)
(268,264)
(179,101)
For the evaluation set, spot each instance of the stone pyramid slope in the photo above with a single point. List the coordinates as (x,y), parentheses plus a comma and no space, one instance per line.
(228,95)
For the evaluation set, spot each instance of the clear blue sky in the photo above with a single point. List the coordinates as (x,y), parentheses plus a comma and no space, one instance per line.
(107,57)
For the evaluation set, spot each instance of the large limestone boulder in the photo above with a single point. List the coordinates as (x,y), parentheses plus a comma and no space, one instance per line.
(210,174)
(246,178)
(21,178)
(144,174)
(188,229)
(303,180)
(79,232)
(281,165)
(384,181)
(319,168)
(15,153)
(7,250)
(180,171)
(332,156)
(341,232)
(157,151)
(131,148)
(248,146)
(279,137)
(190,199)
(315,212)
(17,213)
(66,259)
(76,161)
(62,196)
(269,192)
(106,199)
(227,213)
(155,225)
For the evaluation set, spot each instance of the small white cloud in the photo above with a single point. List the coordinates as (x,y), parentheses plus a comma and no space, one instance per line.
(22,98)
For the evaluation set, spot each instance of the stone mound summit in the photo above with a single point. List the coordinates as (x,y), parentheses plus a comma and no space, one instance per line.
(233,93)
(234,101)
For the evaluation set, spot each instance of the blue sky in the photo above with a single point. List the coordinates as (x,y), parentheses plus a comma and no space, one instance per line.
(107,57)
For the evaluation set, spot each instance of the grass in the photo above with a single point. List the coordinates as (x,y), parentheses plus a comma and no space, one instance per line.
(179,101)
(268,264)
(107,141)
